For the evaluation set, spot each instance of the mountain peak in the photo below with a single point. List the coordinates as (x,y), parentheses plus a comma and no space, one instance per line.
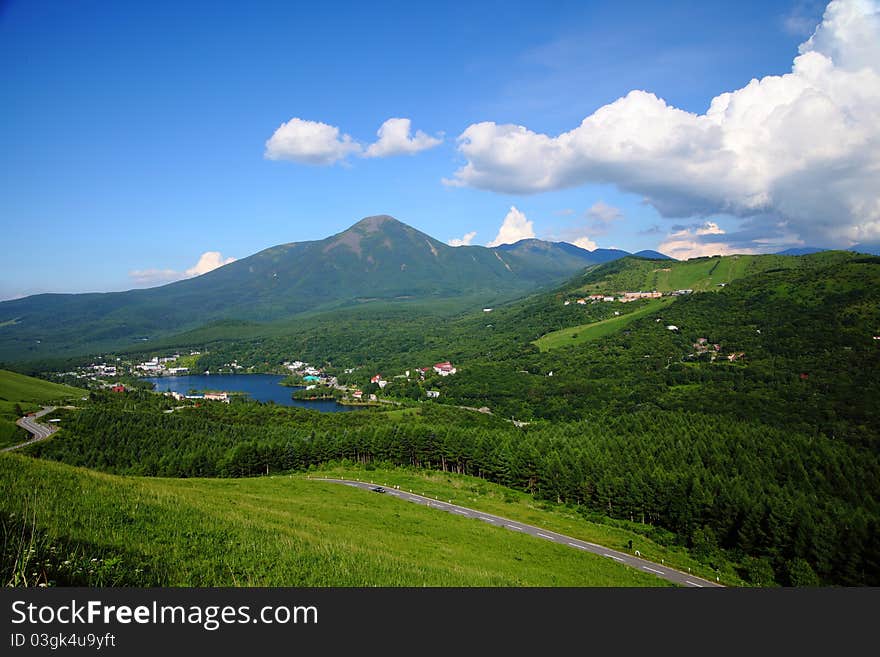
(380,230)
(375,223)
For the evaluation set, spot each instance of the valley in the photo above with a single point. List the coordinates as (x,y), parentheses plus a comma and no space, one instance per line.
(713,409)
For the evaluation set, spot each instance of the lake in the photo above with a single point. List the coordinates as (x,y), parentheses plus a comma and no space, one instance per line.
(259,387)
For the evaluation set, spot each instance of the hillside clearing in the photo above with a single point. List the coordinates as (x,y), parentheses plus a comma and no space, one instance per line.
(266,531)
(587,332)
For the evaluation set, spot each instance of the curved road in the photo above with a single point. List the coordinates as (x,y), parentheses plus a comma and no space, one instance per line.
(39,431)
(662,571)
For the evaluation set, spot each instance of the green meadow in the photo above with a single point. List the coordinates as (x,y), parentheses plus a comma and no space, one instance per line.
(576,335)
(24,393)
(698,274)
(70,526)
(482,495)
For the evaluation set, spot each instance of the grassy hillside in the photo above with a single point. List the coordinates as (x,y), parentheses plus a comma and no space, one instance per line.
(577,335)
(698,274)
(88,528)
(26,393)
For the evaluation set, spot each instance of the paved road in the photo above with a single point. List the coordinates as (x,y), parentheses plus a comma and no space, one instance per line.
(39,431)
(662,571)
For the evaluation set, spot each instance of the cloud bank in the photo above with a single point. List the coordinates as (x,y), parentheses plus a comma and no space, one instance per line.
(802,148)
(208,261)
(702,240)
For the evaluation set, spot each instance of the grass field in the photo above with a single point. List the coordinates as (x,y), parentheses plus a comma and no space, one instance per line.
(28,393)
(586,332)
(93,529)
(700,274)
(482,495)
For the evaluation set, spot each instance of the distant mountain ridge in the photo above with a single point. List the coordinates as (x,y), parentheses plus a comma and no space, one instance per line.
(650,254)
(868,248)
(377,259)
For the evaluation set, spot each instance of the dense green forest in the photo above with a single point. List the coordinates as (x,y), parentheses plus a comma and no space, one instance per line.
(768,497)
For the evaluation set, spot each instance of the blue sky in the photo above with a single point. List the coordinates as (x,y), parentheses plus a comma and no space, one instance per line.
(133,136)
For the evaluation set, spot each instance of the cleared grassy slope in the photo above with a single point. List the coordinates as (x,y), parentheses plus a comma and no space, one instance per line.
(28,393)
(576,335)
(482,495)
(698,274)
(18,387)
(272,531)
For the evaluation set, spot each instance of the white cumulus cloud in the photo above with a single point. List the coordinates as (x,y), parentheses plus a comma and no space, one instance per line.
(309,142)
(208,261)
(585,243)
(313,142)
(803,148)
(703,240)
(514,228)
(395,139)
(463,241)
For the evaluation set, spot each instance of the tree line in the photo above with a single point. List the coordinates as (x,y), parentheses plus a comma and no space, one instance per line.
(770,498)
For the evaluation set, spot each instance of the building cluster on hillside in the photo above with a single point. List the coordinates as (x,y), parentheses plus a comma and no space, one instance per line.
(620,297)
(158,366)
(445,368)
(703,347)
(310,375)
(96,371)
(313,376)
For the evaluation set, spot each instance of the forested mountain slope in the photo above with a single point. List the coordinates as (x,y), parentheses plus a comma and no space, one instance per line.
(378,259)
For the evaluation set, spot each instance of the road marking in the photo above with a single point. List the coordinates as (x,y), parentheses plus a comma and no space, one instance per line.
(546,536)
(514,527)
(693,583)
(582,547)
(487,519)
(464,513)
(611,556)
(659,572)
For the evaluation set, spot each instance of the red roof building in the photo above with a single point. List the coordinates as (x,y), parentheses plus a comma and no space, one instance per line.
(444,369)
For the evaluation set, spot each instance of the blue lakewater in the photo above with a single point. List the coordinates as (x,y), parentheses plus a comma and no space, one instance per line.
(259,387)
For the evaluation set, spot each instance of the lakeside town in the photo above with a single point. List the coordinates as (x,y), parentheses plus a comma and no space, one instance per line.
(313,383)
(119,374)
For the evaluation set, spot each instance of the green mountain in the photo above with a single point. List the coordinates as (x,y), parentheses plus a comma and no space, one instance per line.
(377,259)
